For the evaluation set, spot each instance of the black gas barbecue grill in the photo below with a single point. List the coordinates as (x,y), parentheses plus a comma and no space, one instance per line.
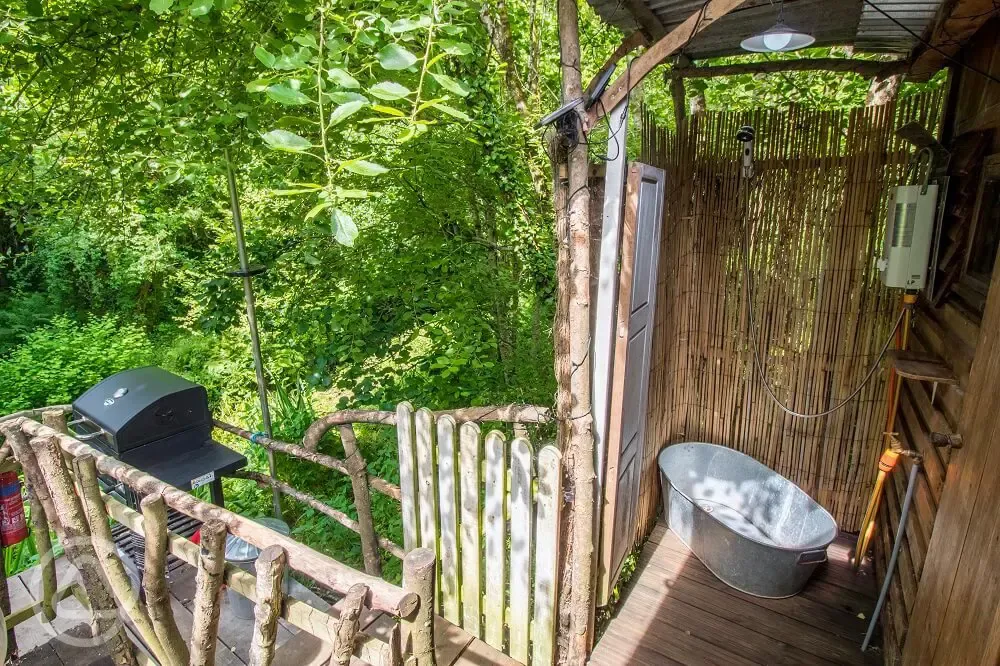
(159,423)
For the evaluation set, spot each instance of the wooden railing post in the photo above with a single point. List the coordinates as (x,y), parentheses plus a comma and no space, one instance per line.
(270,568)
(418,627)
(346,630)
(208,593)
(76,539)
(154,579)
(358,470)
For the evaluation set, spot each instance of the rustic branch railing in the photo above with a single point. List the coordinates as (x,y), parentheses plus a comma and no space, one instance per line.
(80,521)
(356,468)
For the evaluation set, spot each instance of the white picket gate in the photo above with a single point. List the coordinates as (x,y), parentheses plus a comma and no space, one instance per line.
(492,516)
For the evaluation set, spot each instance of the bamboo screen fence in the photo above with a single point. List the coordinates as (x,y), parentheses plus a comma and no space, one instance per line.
(816,215)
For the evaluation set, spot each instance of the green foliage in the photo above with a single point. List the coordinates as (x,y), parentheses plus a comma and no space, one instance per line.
(57,363)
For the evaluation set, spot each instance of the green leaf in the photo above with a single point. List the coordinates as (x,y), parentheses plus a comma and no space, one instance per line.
(342,78)
(260,85)
(388,110)
(345,97)
(455,48)
(395,57)
(344,111)
(351,194)
(343,227)
(160,6)
(265,56)
(288,141)
(389,90)
(35,8)
(363,167)
(317,209)
(454,113)
(283,93)
(450,84)
(306,40)
(201,7)
(408,25)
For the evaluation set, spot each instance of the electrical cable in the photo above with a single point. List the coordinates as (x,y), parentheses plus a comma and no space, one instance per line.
(756,354)
(923,41)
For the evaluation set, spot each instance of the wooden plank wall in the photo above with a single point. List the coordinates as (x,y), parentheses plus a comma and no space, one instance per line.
(816,212)
(942,603)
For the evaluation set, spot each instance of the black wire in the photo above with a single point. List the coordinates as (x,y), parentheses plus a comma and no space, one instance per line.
(931,46)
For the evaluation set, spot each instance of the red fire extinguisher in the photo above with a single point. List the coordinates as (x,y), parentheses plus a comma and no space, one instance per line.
(13,528)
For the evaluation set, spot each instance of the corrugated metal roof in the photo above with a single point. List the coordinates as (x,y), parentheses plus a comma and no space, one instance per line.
(832,22)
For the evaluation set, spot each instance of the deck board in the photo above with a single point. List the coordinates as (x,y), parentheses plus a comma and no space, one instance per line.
(677,611)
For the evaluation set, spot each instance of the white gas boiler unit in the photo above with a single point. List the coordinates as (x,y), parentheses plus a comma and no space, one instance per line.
(909,235)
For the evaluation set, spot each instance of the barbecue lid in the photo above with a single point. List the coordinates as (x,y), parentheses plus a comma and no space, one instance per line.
(140,405)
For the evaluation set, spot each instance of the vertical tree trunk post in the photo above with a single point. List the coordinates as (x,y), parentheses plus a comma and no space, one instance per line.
(43,515)
(270,569)
(85,470)
(347,627)
(75,536)
(154,580)
(362,500)
(581,436)
(208,593)
(883,89)
(10,651)
(56,419)
(418,628)
(680,101)
(43,544)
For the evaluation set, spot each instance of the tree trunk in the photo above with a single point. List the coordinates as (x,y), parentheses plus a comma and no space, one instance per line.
(580,425)
(883,90)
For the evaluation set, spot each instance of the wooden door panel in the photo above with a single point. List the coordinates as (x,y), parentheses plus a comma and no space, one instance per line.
(630,370)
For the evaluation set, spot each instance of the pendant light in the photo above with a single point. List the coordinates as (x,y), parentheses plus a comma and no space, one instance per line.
(777,38)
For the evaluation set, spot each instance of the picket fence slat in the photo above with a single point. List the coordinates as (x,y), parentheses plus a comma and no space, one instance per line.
(448,512)
(471,520)
(426,486)
(490,510)
(521,506)
(407,475)
(496,537)
(548,502)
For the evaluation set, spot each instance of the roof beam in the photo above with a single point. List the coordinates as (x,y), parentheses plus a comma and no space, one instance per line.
(669,44)
(957,21)
(645,19)
(866,68)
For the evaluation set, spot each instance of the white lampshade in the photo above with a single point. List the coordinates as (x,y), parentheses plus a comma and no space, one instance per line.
(780,37)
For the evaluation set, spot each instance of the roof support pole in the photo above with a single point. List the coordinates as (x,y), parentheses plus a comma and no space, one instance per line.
(576,427)
(671,43)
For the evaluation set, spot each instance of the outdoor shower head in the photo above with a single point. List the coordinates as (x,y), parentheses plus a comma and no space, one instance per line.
(745,134)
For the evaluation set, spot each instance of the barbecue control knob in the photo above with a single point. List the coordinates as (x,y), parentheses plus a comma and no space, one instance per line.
(119,393)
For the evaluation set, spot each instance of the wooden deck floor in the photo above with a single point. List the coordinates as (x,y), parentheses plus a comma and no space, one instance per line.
(55,644)
(677,612)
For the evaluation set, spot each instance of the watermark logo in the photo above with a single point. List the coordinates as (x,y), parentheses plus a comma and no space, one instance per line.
(103,623)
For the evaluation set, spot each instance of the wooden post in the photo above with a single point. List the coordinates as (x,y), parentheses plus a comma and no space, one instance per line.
(43,514)
(10,647)
(680,102)
(418,627)
(107,556)
(362,500)
(154,580)
(270,569)
(76,539)
(56,419)
(208,593)
(580,449)
(347,627)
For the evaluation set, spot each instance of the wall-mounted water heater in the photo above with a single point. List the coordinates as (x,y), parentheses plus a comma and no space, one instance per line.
(908,236)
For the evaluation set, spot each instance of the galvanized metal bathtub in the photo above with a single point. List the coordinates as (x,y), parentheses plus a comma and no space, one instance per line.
(755,530)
